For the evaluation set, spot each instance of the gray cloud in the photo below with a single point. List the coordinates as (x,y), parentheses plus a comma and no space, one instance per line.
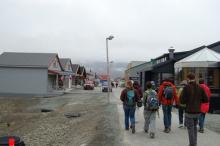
(143,29)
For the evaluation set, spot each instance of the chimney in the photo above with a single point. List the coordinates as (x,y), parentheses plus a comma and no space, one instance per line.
(171,53)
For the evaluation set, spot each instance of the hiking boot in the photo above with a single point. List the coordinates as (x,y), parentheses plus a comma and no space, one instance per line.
(152,135)
(131,126)
(166,130)
(133,129)
(127,129)
(146,131)
(181,126)
(201,130)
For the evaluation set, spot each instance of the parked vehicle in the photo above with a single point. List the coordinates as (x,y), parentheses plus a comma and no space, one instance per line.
(105,86)
(89,85)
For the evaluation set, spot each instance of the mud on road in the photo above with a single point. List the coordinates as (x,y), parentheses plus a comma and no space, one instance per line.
(97,124)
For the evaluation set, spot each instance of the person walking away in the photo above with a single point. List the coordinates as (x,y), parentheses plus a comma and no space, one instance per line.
(151,106)
(204,106)
(129,97)
(140,93)
(193,95)
(112,84)
(116,84)
(138,88)
(181,107)
(167,95)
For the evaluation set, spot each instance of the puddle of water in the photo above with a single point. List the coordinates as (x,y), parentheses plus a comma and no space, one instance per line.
(46,110)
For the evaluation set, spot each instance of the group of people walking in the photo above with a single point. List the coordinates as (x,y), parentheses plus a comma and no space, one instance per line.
(191,99)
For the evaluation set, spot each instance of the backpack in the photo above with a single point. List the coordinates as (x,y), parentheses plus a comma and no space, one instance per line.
(168,92)
(152,101)
(130,96)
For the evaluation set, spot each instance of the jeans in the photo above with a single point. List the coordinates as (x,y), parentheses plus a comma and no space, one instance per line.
(150,121)
(129,114)
(201,120)
(181,111)
(191,124)
(167,115)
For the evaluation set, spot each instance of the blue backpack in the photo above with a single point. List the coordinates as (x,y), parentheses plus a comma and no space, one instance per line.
(131,96)
(168,92)
(152,101)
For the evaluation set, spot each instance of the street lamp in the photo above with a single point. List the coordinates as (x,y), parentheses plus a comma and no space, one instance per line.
(108,74)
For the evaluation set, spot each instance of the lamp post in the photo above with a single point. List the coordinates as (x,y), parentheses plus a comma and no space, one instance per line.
(108,74)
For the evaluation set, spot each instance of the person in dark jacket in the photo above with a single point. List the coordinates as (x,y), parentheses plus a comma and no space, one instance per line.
(192,95)
(138,88)
(129,97)
(140,93)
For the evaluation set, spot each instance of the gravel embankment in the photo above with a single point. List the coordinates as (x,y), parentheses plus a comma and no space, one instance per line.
(97,125)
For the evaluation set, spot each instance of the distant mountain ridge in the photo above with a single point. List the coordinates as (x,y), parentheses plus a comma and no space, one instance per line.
(116,68)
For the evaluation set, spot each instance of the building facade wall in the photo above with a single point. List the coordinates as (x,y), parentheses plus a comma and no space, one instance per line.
(23,81)
(51,83)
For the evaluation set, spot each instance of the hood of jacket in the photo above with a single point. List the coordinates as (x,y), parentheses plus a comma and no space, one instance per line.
(167,84)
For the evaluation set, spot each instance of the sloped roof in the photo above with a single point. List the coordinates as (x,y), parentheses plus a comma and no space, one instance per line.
(75,68)
(64,61)
(180,55)
(17,59)
(202,58)
(82,71)
(81,68)
(215,46)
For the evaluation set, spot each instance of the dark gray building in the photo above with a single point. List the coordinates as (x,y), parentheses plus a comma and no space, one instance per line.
(75,68)
(29,73)
(68,72)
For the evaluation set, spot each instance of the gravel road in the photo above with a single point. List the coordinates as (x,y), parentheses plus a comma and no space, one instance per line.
(97,125)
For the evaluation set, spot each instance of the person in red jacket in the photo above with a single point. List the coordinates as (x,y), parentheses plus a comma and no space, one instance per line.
(204,106)
(167,95)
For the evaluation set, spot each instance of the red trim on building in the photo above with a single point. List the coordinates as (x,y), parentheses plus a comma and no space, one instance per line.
(54,72)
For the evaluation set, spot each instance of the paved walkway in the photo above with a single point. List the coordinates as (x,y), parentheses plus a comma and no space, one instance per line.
(177,137)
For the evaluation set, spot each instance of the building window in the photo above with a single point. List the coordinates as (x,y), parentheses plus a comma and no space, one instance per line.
(158,61)
(210,77)
(178,75)
(192,70)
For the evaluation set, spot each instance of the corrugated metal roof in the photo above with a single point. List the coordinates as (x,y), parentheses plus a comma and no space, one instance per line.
(17,59)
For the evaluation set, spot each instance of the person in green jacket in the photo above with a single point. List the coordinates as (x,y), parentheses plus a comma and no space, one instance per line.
(181,108)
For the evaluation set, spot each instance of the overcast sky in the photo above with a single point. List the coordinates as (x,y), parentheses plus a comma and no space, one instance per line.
(77,29)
